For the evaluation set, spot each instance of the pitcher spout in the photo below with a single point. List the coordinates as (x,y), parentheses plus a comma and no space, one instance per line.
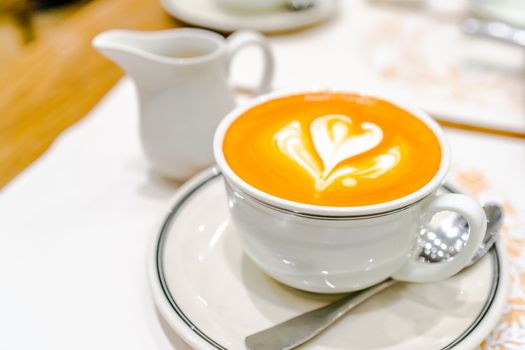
(132,52)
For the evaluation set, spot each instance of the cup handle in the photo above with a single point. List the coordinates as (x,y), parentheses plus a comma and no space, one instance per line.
(243,38)
(415,271)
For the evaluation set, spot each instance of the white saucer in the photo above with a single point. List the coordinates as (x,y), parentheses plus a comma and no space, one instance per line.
(209,14)
(213,296)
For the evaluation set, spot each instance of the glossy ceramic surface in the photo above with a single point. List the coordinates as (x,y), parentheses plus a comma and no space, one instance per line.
(213,295)
(181,79)
(328,249)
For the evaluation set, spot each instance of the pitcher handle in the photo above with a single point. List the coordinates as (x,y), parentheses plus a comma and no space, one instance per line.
(243,38)
(415,271)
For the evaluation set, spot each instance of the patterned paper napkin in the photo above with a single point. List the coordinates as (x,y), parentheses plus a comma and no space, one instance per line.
(418,53)
(509,334)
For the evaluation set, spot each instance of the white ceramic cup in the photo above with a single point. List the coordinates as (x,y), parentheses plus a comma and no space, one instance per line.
(339,249)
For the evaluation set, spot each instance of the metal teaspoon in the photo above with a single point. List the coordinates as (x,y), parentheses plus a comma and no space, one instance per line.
(298,330)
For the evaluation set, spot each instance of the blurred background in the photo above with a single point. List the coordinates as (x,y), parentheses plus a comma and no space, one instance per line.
(75,223)
(462,60)
(23,21)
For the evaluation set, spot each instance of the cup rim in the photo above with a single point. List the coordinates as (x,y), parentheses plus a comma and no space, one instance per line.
(294,206)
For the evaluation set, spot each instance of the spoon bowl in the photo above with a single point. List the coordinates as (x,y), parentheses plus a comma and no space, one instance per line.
(444,240)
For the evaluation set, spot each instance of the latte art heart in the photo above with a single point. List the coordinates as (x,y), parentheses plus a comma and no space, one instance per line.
(331,149)
(335,140)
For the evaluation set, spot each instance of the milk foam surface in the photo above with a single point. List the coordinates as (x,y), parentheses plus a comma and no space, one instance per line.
(332,149)
(334,141)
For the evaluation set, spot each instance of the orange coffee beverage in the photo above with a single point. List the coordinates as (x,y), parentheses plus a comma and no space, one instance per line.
(332,149)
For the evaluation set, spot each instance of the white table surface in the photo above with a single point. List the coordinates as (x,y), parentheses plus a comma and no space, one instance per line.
(75,226)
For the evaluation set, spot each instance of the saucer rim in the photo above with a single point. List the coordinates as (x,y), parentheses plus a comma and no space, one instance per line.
(472,337)
(327,10)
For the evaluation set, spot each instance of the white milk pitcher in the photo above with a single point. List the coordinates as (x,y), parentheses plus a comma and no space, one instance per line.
(181,76)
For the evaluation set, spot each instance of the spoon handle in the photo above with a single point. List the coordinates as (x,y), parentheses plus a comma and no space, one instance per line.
(297,330)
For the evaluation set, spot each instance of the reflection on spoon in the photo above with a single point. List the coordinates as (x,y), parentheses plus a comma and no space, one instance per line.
(300,329)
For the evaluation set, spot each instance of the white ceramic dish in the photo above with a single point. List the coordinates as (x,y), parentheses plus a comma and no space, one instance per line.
(209,14)
(212,295)
(508,11)
(329,249)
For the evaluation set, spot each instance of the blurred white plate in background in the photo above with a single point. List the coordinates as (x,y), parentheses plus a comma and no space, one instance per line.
(209,14)
(508,11)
